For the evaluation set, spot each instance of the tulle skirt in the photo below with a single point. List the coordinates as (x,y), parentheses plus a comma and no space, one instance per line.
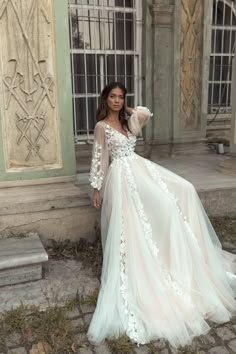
(164,272)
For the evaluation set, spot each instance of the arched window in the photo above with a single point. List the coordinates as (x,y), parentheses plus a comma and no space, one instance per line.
(105,46)
(222,52)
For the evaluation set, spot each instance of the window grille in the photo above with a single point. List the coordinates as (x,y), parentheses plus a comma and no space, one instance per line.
(222,53)
(105,46)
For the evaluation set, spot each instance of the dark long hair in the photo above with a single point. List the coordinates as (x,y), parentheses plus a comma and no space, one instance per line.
(103,110)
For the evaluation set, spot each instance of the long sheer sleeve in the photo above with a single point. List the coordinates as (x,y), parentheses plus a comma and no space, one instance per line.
(100,158)
(139,119)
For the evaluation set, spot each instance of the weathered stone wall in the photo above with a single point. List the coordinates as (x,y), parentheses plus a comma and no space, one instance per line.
(191,48)
(178,86)
(28,85)
(159,72)
(233,119)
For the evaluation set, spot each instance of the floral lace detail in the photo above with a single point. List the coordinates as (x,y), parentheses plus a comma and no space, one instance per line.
(118,144)
(96,174)
(153,247)
(157,177)
(132,323)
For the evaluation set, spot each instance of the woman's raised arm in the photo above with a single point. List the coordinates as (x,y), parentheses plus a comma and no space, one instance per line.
(138,119)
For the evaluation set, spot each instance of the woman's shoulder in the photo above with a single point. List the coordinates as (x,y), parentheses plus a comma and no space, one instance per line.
(100,124)
(100,127)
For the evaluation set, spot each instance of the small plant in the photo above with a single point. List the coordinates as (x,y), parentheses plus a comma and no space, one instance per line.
(90,299)
(48,329)
(87,252)
(120,345)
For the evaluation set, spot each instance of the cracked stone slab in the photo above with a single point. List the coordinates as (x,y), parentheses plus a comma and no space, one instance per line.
(21,259)
(63,280)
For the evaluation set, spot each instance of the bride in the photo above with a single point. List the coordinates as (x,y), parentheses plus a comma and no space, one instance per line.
(164,271)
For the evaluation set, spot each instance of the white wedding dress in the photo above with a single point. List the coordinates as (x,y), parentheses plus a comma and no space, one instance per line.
(164,272)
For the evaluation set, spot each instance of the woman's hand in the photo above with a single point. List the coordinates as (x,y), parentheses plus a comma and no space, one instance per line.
(128,110)
(96,199)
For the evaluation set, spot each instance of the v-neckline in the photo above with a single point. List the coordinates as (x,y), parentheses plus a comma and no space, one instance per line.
(127,137)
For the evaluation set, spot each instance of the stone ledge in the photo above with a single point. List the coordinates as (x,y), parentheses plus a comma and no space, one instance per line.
(57,211)
(21,260)
(17,252)
(28,199)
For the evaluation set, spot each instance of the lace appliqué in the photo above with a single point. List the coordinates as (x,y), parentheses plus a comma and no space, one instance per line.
(96,174)
(147,230)
(157,177)
(132,322)
(118,144)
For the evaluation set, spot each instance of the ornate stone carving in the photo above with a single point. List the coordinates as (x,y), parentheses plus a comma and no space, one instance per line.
(28,84)
(162,11)
(191,62)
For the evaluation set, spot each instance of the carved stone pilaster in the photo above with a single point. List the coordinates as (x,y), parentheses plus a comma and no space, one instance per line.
(28,85)
(192,16)
(162,11)
(233,118)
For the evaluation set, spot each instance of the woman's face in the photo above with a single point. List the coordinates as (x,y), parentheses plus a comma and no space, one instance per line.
(115,100)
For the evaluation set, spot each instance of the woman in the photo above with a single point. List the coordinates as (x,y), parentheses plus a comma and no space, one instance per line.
(164,272)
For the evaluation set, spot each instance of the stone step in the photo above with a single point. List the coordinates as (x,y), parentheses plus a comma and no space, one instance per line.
(21,259)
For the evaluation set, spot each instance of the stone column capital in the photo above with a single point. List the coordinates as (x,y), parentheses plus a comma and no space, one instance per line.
(162,12)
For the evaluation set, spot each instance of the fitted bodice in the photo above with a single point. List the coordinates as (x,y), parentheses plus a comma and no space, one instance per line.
(119,145)
(110,144)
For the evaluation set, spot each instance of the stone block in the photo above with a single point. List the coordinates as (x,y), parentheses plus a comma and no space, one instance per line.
(225,333)
(13,340)
(218,350)
(142,350)
(102,349)
(85,351)
(21,260)
(87,318)
(73,314)
(42,208)
(86,308)
(20,350)
(232,345)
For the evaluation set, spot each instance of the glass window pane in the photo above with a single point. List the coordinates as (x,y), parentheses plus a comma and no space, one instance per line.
(120,62)
(80,109)
(92,109)
(110,65)
(130,101)
(119,3)
(129,31)
(79,76)
(129,3)
(119,34)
